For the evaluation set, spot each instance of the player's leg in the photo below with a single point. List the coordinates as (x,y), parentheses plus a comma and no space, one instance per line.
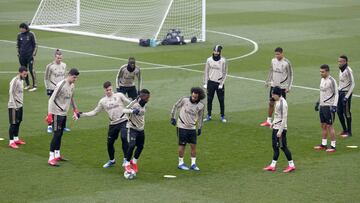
(270,110)
(24,62)
(131,135)
(113,134)
(181,133)
(275,146)
(32,73)
(287,152)
(124,142)
(12,128)
(48,120)
(341,113)
(348,116)
(140,140)
(324,131)
(192,139)
(221,97)
(132,93)
(211,88)
(331,130)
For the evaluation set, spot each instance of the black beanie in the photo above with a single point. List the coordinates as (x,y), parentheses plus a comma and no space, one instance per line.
(218,48)
(277,90)
(24,25)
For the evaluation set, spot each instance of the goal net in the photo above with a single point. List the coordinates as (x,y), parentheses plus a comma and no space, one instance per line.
(128,20)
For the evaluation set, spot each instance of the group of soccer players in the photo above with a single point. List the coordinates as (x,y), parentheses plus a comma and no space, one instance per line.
(126,106)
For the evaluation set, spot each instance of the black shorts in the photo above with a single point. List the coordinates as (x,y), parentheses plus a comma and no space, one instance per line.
(135,137)
(283,93)
(59,122)
(130,91)
(326,116)
(114,130)
(186,136)
(15,115)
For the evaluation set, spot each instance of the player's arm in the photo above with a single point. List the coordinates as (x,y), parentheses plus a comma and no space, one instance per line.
(290,75)
(200,118)
(206,73)
(47,75)
(352,82)
(174,109)
(118,77)
(34,43)
(138,75)
(18,45)
(269,77)
(124,99)
(94,112)
(335,92)
(224,73)
(133,111)
(283,115)
(12,92)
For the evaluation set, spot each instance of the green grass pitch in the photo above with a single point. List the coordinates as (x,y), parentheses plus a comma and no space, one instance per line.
(231,156)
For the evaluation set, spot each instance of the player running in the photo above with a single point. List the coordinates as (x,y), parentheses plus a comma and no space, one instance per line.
(15,107)
(327,103)
(113,104)
(191,112)
(279,126)
(280,74)
(126,77)
(135,134)
(59,104)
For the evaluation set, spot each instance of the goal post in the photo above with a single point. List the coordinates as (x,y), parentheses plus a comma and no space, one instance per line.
(128,20)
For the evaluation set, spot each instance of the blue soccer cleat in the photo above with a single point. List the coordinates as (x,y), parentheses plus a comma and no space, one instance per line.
(183,167)
(222,119)
(67,129)
(109,164)
(49,129)
(194,167)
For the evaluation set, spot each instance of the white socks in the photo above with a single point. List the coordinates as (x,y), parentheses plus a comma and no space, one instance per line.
(134,161)
(269,119)
(193,160)
(333,144)
(291,163)
(324,142)
(52,156)
(57,153)
(181,160)
(11,141)
(16,139)
(273,163)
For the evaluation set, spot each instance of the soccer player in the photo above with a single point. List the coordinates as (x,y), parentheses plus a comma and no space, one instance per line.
(214,78)
(327,103)
(135,133)
(113,104)
(15,107)
(54,73)
(126,77)
(346,87)
(26,50)
(280,74)
(191,112)
(59,104)
(279,126)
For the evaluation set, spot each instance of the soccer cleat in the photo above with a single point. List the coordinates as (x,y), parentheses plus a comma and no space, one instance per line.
(342,133)
(134,166)
(33,89)
(20,142)
(128,168)
(265,123)
(289,169)
(208,118)
(61,158)
(13,145)
(331,149)
(67,129)
(194,167)
(183,167)
(222,119)
(109,164)
(53,162)
(269,168)
(49,129)
(320,147)
(27,87)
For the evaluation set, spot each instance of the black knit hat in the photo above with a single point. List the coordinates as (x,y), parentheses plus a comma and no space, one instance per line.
(218,48)
(277,90)
(24,25)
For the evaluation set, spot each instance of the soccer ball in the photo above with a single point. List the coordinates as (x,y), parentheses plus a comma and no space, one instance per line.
(130,175)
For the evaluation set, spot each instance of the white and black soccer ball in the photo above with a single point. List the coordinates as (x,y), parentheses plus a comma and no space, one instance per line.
(129,175)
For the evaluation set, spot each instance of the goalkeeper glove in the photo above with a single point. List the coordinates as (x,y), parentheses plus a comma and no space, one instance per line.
(173,121)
